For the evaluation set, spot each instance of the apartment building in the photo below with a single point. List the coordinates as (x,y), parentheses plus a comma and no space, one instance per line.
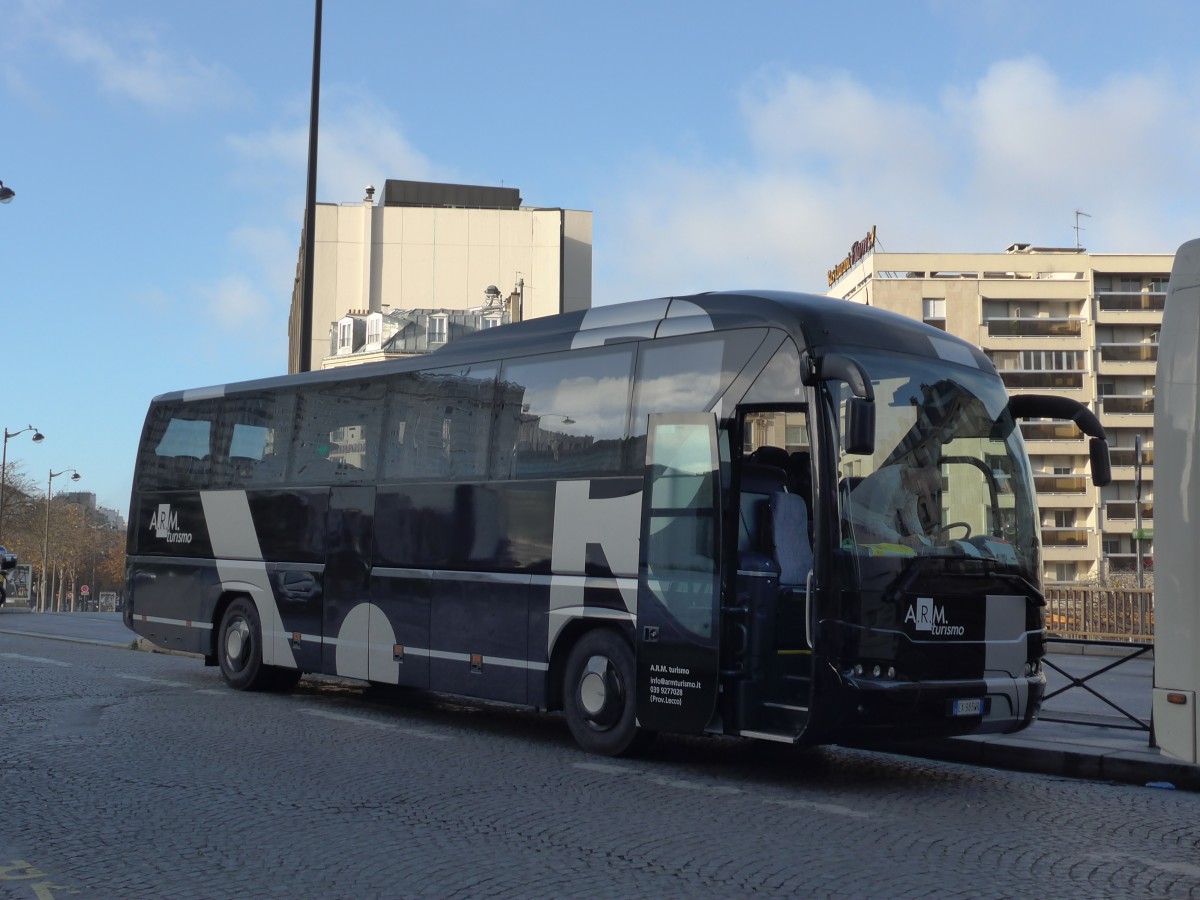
(1052,320)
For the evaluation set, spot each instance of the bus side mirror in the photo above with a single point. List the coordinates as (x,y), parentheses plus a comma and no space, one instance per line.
(1101,466)
(860,427)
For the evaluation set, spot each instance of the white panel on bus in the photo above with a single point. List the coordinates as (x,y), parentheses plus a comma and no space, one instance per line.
(1177,512)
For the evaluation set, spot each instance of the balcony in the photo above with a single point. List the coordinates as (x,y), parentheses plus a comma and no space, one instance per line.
(1068,544)
(1017,379)
(1060,484)
(1050,431)
(1120,515)
(1118,307)
(1126,457)
(1127,405)
(1030,327)
(1074,536)
(1131,301)
(1128,359)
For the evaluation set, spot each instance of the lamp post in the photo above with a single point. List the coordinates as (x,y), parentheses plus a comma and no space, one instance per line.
(46,537)
(38,437)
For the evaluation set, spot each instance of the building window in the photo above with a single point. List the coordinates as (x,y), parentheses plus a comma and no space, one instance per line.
(374,330)
(437,329)
(345,337)
(933,311)
(491,322)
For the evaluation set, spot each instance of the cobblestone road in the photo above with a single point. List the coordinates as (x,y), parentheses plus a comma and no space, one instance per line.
(127,774)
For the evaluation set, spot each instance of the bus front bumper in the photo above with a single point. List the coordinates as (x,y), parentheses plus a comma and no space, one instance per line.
(897,710)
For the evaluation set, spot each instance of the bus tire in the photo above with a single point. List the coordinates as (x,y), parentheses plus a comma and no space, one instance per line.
(598,695)
(239,647)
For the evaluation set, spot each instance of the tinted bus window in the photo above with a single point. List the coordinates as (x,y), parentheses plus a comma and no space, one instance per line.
(438,423)
(685,375)
(779,382)
(176,449)
(254,434)
(337,433)
(563,415)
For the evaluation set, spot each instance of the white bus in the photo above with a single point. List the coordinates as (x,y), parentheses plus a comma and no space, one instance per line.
(1177,513)
(668,515)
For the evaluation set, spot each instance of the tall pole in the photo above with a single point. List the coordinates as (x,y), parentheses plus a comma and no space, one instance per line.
(310,210)
(46,533)
(1137,508)
(46,544)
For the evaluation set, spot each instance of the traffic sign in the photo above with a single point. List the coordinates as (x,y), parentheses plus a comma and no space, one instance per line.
(84,590)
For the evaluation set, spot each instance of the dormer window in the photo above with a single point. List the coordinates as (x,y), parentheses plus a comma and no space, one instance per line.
(437,329)
(345,337)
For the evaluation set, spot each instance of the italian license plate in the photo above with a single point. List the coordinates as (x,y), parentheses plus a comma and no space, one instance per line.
(972,707)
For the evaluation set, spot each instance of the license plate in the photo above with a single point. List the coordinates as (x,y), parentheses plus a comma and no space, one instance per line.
(967,707)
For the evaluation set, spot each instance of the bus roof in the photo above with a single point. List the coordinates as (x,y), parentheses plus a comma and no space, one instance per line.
(819,325)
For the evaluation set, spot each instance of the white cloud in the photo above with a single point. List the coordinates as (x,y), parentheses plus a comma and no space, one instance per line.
(1009,159)
(360,142)
(148,71)
(236,304)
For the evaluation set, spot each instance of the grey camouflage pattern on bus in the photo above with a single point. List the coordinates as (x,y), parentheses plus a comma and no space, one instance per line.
(241,567)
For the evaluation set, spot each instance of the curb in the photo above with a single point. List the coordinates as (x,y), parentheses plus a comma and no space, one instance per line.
(1023,755)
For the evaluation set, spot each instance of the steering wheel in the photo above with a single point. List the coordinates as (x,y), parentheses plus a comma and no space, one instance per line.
(945,528)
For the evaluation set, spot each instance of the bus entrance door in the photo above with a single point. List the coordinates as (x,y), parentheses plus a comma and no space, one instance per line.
(679,574)
(348,547)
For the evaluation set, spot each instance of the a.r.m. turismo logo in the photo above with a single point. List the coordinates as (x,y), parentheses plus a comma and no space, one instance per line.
(165,525)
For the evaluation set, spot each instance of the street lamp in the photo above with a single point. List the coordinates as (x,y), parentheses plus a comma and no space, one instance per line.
(38,437)
(46,536)
(6,193)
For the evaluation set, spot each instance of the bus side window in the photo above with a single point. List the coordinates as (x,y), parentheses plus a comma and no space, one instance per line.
(563,415)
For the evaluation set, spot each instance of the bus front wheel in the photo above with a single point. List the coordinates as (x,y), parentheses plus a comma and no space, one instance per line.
(239,647)
(598,696)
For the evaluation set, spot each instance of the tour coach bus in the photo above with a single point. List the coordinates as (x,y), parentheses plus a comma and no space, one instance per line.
(667,515)
(1176,562)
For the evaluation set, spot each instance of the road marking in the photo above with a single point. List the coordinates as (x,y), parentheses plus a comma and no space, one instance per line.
(20,870)
(606,769)
(662,780)
(830,808)
(359,720)
(40,659)
(148,680)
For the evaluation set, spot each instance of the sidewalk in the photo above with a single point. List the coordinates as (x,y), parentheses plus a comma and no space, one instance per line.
(1104,751)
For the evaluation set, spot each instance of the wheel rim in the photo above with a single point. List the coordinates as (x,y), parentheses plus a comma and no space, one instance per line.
(601,694)
(237,643)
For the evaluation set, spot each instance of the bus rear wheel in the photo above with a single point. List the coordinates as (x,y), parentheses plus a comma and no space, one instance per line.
(239,647)
(598,696)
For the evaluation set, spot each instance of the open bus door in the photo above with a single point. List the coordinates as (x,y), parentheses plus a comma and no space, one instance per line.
(679,574)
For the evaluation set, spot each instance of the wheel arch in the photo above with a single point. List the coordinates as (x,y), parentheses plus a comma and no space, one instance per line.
(570,635)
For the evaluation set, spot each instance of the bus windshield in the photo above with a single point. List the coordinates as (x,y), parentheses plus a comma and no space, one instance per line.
(949,477)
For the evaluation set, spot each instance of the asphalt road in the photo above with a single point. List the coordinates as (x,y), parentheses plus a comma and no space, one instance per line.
(130,774)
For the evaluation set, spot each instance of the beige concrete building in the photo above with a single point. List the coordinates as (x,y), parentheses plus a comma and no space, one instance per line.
(1052,320)
(440,246)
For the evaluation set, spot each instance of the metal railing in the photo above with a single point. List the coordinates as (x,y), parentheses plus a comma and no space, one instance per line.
(1122,615)
(1129,721)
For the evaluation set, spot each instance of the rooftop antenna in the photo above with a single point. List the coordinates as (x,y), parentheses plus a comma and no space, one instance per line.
(1078,227)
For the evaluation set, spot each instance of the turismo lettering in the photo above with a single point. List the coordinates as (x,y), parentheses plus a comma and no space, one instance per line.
(165,525)
(928,616)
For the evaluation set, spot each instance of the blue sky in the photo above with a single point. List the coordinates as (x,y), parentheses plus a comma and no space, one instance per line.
(158,151)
